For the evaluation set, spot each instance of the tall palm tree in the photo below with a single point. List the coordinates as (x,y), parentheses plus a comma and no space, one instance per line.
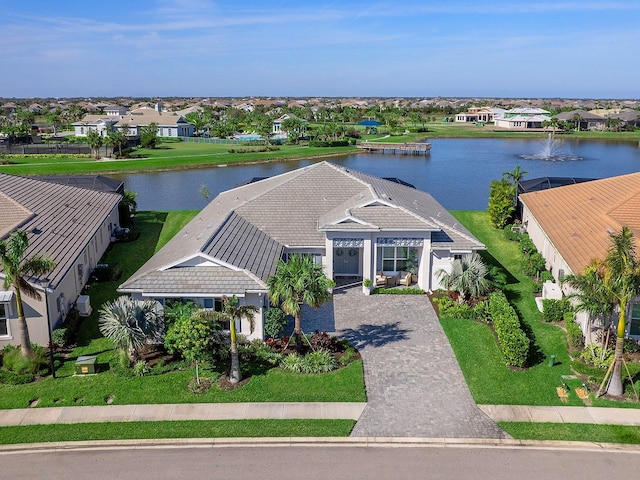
(622,279)
(232,311)
(16,271)
(299,281)
(515,177)
(468,277)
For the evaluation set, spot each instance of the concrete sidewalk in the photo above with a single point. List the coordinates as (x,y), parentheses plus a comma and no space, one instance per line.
(182,411)
(595,415)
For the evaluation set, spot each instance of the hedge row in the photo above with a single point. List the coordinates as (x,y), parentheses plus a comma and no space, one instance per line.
(514,343)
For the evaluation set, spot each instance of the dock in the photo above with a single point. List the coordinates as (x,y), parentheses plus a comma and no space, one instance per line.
(407,148)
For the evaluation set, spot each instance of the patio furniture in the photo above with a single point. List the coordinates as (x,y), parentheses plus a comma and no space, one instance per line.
(381,279)
(405,279)
(392,280)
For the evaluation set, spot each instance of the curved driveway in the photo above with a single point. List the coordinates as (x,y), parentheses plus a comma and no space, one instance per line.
(415,387)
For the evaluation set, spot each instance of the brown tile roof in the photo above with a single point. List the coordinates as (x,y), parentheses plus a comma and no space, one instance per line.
(13,214)
(578,219)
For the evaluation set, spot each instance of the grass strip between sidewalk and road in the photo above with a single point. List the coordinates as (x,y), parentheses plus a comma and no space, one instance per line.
(175,429)
(576,432)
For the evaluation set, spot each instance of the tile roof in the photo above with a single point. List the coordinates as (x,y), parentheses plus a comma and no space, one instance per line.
(248,227)
(64,220)
(13,215)
(578,219)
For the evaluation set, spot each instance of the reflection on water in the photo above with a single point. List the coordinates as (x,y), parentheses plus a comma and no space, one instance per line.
(457,172)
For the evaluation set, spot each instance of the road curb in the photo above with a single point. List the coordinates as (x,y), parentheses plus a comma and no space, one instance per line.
(364,442)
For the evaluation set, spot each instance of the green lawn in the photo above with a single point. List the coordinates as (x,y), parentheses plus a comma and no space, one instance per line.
(175,429)
(572,432)
(170,156)
(275,385)
(490,381)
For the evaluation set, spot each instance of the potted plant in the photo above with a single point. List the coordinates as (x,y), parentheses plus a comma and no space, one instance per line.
(366,286)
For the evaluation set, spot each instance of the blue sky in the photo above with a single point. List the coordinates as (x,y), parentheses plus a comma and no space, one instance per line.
(581,49)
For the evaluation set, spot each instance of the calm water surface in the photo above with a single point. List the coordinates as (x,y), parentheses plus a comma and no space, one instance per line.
(457,172)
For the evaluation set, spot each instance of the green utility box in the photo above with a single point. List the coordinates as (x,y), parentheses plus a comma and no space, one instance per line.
(86,365)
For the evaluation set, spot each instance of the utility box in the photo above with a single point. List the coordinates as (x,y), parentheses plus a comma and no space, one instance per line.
(86,365)
(84,305)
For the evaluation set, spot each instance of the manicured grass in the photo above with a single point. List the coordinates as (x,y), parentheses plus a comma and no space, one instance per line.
(175,429)
(176,220)
(169,156)
(572,432)
(275,385)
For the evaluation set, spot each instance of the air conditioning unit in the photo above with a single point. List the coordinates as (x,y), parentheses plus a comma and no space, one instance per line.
(84,305)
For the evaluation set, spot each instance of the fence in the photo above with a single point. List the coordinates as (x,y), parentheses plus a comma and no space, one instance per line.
(223,141)
(59,149)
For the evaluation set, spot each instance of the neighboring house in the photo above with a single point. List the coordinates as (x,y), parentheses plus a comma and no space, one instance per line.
(480,114)
(522,119)
(571,225)
(588,120)
(170,124)
(277,125)
(71,225)
(355,225)
(628,117)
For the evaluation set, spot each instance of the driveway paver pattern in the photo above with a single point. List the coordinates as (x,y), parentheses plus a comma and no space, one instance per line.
(415,387)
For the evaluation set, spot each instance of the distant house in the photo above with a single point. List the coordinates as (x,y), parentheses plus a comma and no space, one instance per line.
(169,124)
(587,120)
(571,226)
(628,117)
(355,225)
(522,119)
(70,224)
(277,124)
(480,114)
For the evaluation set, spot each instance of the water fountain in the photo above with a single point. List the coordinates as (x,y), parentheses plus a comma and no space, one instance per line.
(552,150)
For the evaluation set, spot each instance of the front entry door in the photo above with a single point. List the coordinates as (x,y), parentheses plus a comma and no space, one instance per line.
(346,261)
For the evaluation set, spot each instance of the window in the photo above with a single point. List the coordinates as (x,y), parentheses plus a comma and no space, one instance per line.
(634,322)
(4,320)
(394,259)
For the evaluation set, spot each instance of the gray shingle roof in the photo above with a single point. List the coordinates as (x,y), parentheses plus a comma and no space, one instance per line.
(249,226)
(64,219)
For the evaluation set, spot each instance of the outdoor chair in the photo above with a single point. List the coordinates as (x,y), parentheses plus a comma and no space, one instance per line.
(405,279)
(381,279)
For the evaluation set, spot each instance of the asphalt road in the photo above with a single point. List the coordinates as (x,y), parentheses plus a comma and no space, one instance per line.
(320,462)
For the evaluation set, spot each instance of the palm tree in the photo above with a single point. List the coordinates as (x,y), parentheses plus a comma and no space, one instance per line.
(130,323)
(622,280)
(16,271)
(592,295)
(515,177)
(94,140)
(468,277)
(232,311)
(298,281)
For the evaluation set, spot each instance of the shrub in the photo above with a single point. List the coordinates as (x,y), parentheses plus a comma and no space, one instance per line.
(594,355)
(512,233)
(546,276)
(275,322)
(292,363)
(332,143)
(482,311)
(399,291)
(553,310)
(109,273)
(533,264)
(631,346)
(59,336)
(322,341)
(348,357)
(71,324)
(574,334)
(10,378)
(450,308)
(514,343)
(320,361)
(526,245)
(140,369)
(13,360)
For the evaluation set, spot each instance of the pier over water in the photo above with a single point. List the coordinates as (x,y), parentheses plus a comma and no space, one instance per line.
(407,148)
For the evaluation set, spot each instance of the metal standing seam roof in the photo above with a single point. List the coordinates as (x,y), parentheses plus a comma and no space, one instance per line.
(578,219)
(64,219)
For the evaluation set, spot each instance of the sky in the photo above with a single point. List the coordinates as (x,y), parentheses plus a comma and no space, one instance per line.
(347,48)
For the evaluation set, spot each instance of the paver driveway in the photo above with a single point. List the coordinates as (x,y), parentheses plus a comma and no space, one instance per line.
(415,387)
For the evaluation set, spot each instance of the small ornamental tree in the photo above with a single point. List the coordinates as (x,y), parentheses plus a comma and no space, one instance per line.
(501,193)
(192,336)
(149,136)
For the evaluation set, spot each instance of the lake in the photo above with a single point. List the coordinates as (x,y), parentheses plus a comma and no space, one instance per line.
(457,172)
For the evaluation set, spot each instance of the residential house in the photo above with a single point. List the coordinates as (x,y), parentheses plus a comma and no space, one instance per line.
(71,225)
(572,225)
(587,120)
(356,225)
(524,118)
(479,114)
(278,131)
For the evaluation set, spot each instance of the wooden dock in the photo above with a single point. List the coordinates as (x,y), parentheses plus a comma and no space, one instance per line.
(407,148)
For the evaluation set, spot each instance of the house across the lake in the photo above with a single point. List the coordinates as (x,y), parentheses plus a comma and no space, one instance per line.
(356,225)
